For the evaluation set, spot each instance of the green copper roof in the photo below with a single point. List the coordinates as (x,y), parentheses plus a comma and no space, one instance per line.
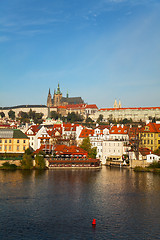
(18,134)
(58,89)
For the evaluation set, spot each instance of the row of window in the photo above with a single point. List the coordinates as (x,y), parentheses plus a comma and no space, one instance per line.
(149,141)
(10,141)
(9,148)
(113,144)
(148,135)
(109,150)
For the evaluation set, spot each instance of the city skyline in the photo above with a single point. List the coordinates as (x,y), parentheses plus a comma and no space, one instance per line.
(100,50)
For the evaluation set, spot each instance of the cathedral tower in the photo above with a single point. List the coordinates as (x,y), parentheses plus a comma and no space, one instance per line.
(49,99)
(57,97)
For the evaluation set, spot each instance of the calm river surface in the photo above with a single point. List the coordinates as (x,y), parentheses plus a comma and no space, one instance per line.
(61,204)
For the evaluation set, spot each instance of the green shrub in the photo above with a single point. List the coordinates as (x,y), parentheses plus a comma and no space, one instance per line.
(154,165)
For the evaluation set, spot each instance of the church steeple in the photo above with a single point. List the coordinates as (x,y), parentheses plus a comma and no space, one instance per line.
(58,89)
(49,99)
(67,95)
(115,104)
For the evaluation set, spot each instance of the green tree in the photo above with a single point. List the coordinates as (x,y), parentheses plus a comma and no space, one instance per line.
(11,114)
(40,162)
(93,152)
(54,115)
(73,117)
(86,145)
(27,161)
(2,114)
(100,118)
(24,117)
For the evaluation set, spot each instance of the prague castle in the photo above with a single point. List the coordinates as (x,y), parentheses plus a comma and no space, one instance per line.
(59,100)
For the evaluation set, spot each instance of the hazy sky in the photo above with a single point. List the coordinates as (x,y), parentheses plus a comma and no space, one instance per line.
(97,49)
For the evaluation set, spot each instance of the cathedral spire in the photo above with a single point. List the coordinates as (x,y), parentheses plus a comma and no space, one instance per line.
(58,89)
(115,104)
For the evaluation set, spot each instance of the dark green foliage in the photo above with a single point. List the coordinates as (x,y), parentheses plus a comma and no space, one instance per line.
(27,162)
(28,151)
(26,117)
(93,152)
(73,117)
(86,145)
(8,166)
(154,165)
(2,114)
(11,156)
(54,115)
(100,118)
(40,162)
(11,114)
(125,121)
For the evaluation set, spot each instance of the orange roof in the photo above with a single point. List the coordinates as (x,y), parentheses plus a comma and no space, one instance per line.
(151,127)
(86,133)
(145,151)
(119,130)
(73,150)
(91,106)
(138,108)
(34,129)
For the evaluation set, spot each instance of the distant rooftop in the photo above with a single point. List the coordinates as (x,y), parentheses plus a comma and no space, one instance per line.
(23,106)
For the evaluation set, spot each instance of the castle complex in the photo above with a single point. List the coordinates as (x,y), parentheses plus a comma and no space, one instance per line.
(59,100)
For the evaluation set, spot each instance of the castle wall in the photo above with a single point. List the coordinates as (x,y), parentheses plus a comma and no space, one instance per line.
(43,110)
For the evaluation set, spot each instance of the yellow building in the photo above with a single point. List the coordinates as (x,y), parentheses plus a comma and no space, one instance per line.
(150,136)
(13,141)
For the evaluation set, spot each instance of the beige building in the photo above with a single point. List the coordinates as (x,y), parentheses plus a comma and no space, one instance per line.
(136,114)
(13,141)
(26,108)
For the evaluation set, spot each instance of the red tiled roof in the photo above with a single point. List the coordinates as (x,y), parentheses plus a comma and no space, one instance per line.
(86,133)
(145,151)
(91,106)
(119,130)
(152,127)
(34,129)
(138,108)
(73,150)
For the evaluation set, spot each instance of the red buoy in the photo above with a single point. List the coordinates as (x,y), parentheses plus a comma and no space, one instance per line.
(94,222)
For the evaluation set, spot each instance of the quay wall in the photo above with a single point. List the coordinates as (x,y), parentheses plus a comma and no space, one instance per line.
(16,162)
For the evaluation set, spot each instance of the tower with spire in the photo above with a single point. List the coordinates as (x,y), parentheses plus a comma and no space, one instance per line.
(115,104)
(49,99)
(57,97)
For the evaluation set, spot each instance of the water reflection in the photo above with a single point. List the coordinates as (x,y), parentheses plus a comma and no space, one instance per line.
(61,204)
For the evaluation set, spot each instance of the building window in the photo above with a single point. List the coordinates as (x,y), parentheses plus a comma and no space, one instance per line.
(151,135)
(17,141)
(10,148)
(148,141)
(5,140)
(148,134)
(0,140)
(0,147)
(144,141)
(151,141)
(158,141)
(17,148)
(24,141)
(23,147)
(10,141)
(144,135)
(5,148)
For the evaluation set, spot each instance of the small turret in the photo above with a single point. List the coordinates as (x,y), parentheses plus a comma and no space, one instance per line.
(67,95)
(115,104)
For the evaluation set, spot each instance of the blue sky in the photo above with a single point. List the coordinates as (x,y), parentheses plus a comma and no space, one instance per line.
(97,49)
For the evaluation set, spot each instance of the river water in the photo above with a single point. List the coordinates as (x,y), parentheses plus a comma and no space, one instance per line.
(61,204)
